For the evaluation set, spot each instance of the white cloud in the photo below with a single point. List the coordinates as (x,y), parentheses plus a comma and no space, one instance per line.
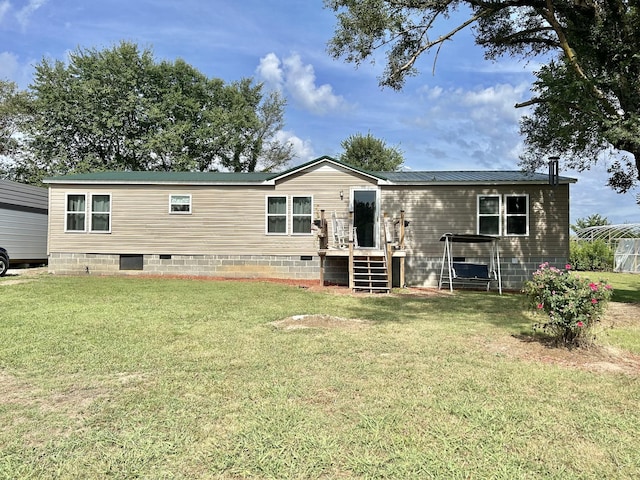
(302,149)
(4,8)
(15,70)
(9,65)
(495,102)
(298,81)
(270,71)
(472,128)
(25,12)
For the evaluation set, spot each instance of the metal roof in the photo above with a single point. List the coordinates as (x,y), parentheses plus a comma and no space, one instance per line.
(164,177)
(461,177)
(239,178)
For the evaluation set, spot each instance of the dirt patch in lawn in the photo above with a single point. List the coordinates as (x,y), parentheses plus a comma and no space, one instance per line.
(16,276)
(296,322)
(597,358)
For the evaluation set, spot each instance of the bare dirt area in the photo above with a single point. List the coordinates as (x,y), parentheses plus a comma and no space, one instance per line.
(597,358)
(296,322)
(16,276)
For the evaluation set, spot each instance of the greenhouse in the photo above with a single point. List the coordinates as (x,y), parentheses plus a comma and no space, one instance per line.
(624,238)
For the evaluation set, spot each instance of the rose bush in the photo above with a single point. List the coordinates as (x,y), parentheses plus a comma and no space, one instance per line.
(573,304)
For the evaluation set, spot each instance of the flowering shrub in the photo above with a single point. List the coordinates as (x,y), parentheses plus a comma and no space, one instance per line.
(573,304)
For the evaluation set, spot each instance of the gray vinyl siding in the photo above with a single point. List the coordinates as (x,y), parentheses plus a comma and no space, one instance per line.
(225,220)
(26,196)
(23,221)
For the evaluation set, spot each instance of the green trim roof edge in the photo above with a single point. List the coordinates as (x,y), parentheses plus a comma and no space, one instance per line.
(401,177)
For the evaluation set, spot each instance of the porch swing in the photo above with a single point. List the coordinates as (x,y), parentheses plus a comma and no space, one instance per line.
(462,272)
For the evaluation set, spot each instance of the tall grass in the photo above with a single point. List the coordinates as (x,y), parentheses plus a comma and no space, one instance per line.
(154,378)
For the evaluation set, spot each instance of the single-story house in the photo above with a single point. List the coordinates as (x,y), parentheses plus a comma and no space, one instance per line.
(23,222)
(322,220)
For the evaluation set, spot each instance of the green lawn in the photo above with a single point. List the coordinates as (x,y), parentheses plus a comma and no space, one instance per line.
(106,377)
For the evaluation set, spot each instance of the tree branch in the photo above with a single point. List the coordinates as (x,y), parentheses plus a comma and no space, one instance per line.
(409,63)
(530,102)
(548,14)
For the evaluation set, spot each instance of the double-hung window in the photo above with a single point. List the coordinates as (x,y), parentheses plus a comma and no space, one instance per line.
(489,207)
(516,214)
(75,212)
(101,212)
(301,215)
(180,204)
(276,215)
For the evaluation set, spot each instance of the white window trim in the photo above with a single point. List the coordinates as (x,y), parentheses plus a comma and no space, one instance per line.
(181,195)
(507,215)
(67,212)
(479,215)
(310,215)
(91,212)
(267,215)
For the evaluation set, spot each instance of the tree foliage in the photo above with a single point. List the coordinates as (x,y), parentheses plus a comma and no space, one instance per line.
(587,97)
(119,109)
(370,153)
(594,220)
(11,115)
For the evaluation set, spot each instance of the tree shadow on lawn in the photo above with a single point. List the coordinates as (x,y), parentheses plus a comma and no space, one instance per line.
(515,338)
(467,307)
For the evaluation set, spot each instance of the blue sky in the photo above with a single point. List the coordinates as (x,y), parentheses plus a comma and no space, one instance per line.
(460,117)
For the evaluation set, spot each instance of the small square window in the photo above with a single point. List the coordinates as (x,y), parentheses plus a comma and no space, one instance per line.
(180,204)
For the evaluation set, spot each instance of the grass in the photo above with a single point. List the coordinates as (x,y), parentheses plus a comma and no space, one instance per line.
(155,378)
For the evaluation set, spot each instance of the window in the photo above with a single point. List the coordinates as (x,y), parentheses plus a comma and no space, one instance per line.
(512,218)
(101,213)
(75,212)
(517,214)
(180,204)
(277,215)
(301,215)
(489,214)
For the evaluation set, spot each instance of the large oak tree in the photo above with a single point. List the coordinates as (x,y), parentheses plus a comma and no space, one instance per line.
(119,109)
(586,101)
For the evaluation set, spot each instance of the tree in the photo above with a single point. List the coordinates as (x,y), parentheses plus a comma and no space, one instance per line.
(119,109)
(12,110)
(370,153)
(587,96)
(595,220)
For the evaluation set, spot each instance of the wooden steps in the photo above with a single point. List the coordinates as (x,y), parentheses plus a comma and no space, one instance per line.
(370,273)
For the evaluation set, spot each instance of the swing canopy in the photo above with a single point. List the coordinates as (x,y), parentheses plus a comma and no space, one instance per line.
(465,272)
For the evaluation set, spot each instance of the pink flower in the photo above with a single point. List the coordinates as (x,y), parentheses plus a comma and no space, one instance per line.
(567,267)
(580,324)
(540,306)
(608,287)
(593,286)
(594,301)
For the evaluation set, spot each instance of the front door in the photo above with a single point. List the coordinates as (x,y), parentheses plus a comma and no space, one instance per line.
(365,217)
